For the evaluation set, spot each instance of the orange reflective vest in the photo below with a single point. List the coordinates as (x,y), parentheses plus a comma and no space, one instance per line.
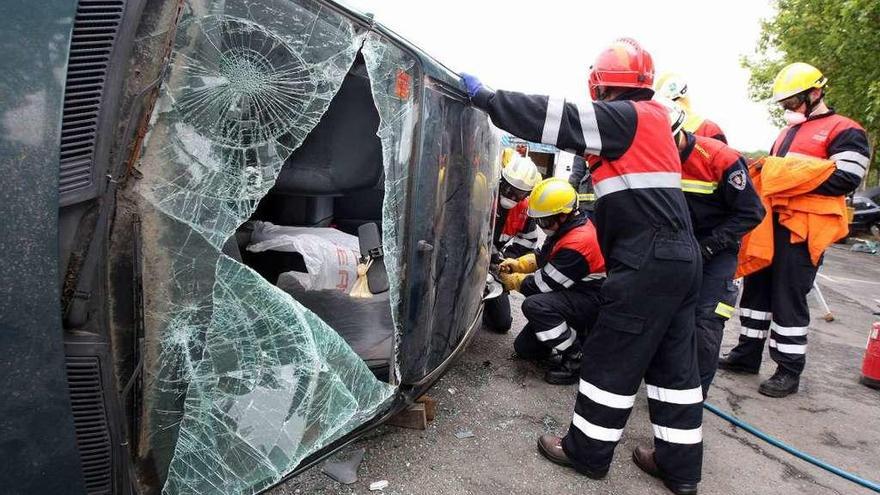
(784,184)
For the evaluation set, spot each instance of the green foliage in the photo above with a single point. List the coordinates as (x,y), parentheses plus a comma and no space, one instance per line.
(841,38)
(754,155)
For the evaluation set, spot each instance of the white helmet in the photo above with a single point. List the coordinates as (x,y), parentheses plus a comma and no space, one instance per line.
(677,115)
(521,173)
(671,85)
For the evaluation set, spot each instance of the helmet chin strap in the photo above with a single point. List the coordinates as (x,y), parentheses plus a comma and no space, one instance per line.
(811,105)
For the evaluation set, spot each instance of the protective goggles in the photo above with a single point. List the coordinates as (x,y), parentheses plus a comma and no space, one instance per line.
(508,191)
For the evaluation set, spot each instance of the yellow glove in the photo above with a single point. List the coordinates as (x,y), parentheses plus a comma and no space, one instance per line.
(512,281)
(523,264)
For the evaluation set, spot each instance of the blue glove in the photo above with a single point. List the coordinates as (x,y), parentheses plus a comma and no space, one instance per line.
(471,83)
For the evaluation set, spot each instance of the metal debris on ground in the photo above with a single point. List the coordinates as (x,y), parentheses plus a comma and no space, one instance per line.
(378,485)
(870,247)
(464,434)
(345,471)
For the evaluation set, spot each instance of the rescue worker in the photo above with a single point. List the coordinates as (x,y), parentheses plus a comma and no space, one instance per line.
(645,327)
(561,281)
(515,233)
(674,86)
(774,299)
(724,206)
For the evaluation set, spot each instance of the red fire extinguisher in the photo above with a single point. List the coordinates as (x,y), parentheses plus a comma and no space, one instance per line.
(871,364)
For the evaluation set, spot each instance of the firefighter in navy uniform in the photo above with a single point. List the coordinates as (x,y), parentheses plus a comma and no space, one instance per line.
(774,299)
(724,206)
(515,233)
(561,282)
(645,327)
(674,87)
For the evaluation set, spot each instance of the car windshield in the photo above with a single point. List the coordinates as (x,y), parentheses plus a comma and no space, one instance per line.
(243,380)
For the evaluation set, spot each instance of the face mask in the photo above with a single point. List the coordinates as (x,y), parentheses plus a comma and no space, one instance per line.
(794,118)
(506,202)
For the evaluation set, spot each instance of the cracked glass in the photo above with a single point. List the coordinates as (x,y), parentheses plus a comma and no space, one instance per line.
(242,381)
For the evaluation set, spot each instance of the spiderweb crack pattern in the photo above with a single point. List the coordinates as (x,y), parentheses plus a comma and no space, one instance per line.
(242,382)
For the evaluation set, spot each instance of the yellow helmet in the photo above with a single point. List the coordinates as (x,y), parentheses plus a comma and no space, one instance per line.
(507,156)
(551,197)
(521,173)
(671,85)
(796,78)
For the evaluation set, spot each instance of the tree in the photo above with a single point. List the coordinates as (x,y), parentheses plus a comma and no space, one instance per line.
(841,38)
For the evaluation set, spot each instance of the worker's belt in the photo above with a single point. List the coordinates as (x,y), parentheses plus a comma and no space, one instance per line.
(698,186)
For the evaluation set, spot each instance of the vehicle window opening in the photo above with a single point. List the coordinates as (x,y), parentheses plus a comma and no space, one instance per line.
(303,236)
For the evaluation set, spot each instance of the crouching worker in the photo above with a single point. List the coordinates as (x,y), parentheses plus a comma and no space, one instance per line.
(515,233)
(561,281)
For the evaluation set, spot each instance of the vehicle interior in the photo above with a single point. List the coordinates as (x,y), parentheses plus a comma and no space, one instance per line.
(335,180)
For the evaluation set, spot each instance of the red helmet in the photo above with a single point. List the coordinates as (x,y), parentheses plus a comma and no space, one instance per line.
(623,64)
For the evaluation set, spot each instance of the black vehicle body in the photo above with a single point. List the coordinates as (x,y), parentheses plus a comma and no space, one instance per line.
(149,347)
(866,212)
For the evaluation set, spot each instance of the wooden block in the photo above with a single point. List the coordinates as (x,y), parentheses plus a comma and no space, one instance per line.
(430,406)
(413,417)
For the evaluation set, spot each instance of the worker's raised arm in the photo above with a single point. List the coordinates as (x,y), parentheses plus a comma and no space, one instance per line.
(596,128)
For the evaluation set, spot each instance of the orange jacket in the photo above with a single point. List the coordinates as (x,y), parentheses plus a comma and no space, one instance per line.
(784,184)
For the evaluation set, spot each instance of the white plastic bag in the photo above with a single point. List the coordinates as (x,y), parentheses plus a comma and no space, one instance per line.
(331,256)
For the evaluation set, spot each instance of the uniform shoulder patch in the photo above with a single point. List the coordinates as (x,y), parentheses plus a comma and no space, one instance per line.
(738,180)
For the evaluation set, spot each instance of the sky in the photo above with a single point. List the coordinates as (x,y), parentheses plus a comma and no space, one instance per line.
(547,46)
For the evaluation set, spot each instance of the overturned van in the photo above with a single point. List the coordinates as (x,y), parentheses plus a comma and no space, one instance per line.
(274,220)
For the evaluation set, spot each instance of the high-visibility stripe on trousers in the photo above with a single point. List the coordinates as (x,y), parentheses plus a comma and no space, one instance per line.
(774,307)
(645,330)
(556,321)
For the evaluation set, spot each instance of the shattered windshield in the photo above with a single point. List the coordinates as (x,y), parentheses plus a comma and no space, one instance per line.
(242,380)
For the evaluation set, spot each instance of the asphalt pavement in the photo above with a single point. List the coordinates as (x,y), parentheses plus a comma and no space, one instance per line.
(504,402)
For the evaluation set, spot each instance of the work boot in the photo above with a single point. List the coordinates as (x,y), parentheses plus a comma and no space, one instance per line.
(550,446)
(643,457)
(782,384)
(730,364)
(567,372)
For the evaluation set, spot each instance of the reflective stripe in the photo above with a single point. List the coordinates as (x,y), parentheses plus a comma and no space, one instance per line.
(567,342)
(594,431)
(789,348)
(539,281)
(558,276)
(788,331)
(724,310)
(553,333)
(605,398)
(503,238)
(530,235)
(590,128)
(594,276)
(753,333)
(853,168)
(553,120)
(675,435)
(756,315)
(645,180)
(698,186)
(852,162)
(673,396)
(586,197)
